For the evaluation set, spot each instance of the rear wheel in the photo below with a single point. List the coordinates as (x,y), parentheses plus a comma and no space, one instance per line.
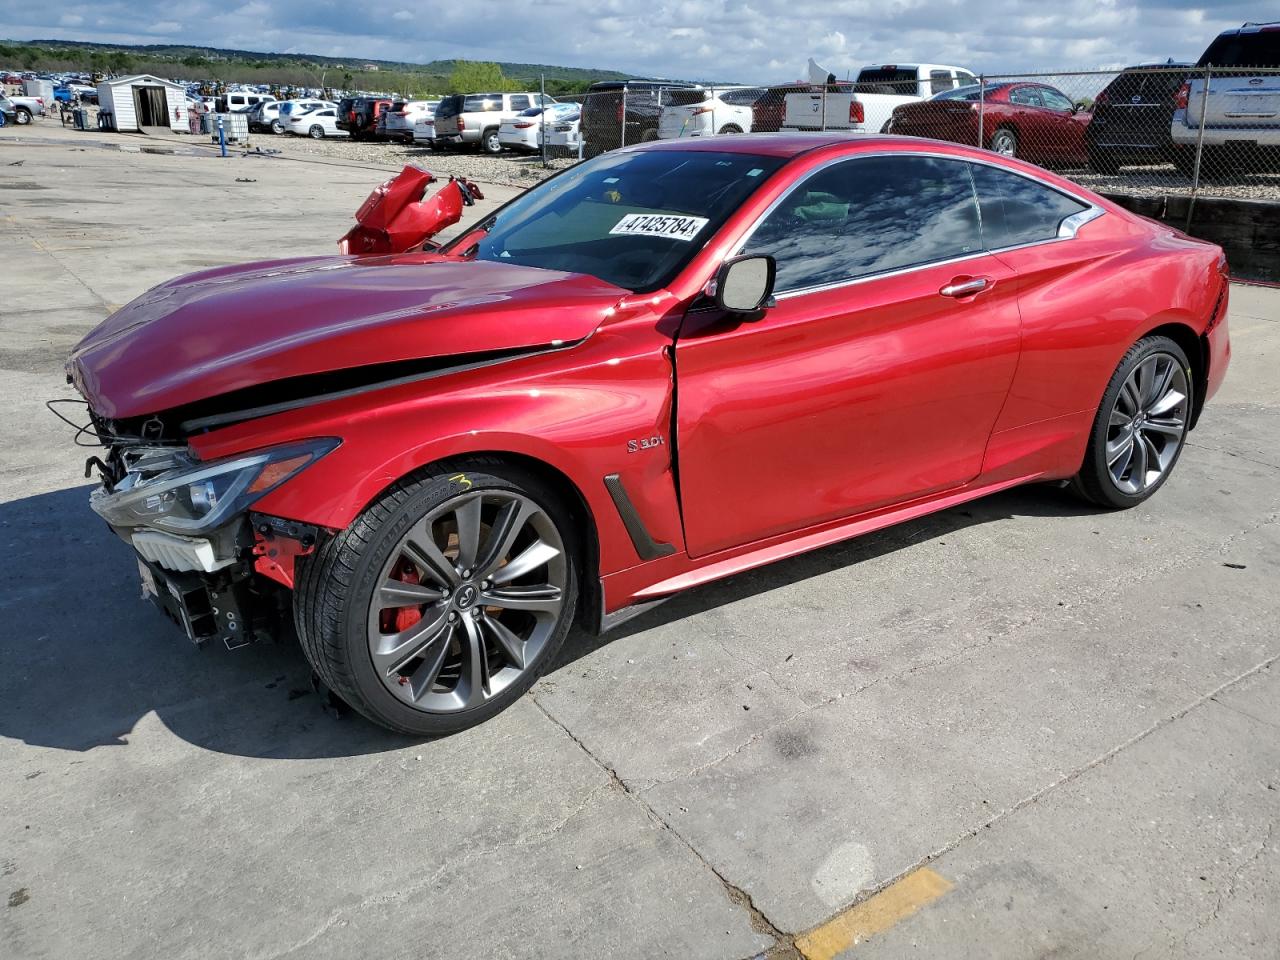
(316,132)
(24,115)
(490,143)
(1141,426)
(277,126)
(1005,142)
(444,601)
(730,128)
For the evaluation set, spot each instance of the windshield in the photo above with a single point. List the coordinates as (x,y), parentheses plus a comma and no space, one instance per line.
(631,219)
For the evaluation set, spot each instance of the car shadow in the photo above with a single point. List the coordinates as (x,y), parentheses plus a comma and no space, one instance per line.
(84,661)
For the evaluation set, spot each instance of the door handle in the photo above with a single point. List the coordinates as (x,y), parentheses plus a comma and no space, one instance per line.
(960,287)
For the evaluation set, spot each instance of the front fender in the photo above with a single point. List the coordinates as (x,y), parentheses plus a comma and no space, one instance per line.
(574,411)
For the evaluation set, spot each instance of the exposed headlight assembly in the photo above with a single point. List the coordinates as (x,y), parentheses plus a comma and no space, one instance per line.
(167,489)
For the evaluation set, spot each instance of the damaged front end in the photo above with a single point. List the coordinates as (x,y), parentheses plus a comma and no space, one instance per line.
(200,549)
(398,217)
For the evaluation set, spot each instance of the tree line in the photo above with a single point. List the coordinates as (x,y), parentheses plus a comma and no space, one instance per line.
(467,76)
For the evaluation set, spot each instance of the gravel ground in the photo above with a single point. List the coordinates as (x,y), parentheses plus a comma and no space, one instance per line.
(508,168)
(523,171)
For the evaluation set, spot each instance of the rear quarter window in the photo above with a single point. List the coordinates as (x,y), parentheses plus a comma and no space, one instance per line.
(1260,49)
(1017,210)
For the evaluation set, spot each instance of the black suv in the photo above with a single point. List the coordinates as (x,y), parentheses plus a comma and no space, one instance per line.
(1131,117)
(359,116)
(603,126)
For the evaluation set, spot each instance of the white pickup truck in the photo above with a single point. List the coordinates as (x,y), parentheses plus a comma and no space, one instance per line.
(866,104)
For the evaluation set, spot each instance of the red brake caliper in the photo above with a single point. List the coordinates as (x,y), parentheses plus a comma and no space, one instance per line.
(398,619)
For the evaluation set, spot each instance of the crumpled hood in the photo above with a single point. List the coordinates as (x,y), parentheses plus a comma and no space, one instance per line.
(210,333)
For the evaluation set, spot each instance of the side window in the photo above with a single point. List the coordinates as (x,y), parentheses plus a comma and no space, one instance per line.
(965,79)
(520,101)
(1025,96)
(1018,210)
(869,215)
(940,81)
(1055,100)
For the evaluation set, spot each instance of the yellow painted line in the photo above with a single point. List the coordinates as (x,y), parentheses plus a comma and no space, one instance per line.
(886,909)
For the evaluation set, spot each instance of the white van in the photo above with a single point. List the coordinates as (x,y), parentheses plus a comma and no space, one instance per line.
(238,101)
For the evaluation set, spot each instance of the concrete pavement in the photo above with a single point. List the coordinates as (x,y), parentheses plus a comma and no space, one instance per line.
(1069,717)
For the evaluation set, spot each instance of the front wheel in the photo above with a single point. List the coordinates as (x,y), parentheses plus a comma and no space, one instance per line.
(1141,426)
(444,601)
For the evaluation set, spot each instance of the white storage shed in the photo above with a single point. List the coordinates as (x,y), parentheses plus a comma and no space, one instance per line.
(142,103)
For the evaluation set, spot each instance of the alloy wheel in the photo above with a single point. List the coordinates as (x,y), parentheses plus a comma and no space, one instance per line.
(1147,423)
(467,601)
(1004,143)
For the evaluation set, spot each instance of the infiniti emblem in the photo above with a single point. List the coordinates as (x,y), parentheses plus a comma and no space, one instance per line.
(467,596)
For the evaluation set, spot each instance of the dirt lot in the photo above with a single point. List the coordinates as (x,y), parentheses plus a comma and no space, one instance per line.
(1021,728)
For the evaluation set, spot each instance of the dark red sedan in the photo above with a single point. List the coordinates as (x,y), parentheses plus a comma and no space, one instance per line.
(663,366)
(1031,121)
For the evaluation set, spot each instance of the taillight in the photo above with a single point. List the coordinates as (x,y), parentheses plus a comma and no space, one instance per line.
(697,111)
(462,124)
(856,114)
(524,126)
(1180,98)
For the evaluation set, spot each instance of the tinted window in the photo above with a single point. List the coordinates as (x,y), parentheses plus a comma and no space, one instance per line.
(965,79)
(449,107)
(629,219)
(971,92)
(1261,49)
(519,101)
(1018,210)
(742,98)
(939,81)
(870,215)
(483,102)
(1025,96)
(1055,100)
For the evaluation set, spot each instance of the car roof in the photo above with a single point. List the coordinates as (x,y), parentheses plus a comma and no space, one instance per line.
(793,144)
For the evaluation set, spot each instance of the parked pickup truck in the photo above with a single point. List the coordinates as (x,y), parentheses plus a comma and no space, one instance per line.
(27,107)
(866,105)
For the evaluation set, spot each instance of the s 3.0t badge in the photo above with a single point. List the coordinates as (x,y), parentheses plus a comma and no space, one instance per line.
(644,443)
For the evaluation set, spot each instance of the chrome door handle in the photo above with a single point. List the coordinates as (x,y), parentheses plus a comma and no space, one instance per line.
(966,288)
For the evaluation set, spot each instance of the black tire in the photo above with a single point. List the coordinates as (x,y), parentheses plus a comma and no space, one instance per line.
(1094,481)
(729,128)
(489,142)
(277,127)
(316,132)
(1005,141)
(23,117)
(335,588)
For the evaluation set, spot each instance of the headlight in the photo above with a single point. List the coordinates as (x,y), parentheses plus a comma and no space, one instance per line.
(168,490)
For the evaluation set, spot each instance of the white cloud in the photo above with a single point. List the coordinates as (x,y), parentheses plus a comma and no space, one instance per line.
(70,20)
(402,15)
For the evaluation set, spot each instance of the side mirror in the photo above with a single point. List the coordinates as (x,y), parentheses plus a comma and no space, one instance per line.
(745,284)
(1079,107)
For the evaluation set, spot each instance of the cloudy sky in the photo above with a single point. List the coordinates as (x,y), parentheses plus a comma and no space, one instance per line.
(755,40)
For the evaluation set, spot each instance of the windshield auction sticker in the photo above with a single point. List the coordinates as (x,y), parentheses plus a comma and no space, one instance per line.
(660,225)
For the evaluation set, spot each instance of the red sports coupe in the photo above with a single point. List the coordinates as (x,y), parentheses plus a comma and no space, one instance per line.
(666,365)
(1031,121)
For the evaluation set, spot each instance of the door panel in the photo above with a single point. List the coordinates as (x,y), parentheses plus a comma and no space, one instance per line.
(840,401)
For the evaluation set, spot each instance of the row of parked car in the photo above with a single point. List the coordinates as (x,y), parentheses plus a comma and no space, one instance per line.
(1146,114)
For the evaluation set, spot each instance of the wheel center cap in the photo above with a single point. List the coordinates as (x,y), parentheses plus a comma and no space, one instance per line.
(467,596)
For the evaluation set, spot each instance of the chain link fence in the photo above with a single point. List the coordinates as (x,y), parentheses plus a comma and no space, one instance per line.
(1174,129)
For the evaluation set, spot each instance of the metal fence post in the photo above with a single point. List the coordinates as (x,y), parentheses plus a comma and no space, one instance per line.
(982,98)
(542,117)
(825,91)
(1195,171)
(623,124)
